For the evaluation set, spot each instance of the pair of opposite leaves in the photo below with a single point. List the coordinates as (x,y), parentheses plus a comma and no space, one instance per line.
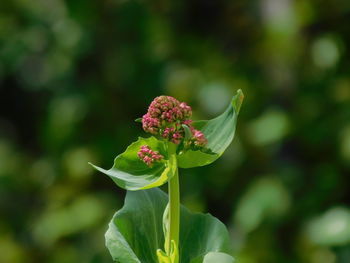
(130,173)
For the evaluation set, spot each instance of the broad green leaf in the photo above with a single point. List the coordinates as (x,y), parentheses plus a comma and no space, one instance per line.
(219,132)
(130,173)
(136,231)
(201,234)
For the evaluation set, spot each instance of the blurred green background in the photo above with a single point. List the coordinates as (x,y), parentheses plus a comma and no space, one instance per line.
(75,74)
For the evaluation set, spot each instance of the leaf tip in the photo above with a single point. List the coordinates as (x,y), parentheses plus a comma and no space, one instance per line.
(97,168)
(238,100)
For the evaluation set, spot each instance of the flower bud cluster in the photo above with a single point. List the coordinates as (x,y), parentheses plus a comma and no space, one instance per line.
(198,139)
(165,117)
(148,156)
(164,110)
(174,134)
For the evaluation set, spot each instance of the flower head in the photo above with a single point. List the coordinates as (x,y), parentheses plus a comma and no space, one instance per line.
(164,111)
(165,117)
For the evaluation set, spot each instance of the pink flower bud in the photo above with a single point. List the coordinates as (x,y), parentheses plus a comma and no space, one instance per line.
(167,132)
(148,156)
(187,111)
(150,124)
(177,137)
(188,123)
(199,138)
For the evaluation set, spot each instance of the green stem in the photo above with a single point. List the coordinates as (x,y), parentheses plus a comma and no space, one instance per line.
(174,210)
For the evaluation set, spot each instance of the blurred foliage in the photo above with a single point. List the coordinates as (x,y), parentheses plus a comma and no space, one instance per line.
(75,74)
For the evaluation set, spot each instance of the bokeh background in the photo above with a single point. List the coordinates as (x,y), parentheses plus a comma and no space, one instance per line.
(75,74)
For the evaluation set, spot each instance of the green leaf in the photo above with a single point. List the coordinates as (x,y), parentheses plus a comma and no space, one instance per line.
(136,232)
(188,133)
(219,133)
(130,173)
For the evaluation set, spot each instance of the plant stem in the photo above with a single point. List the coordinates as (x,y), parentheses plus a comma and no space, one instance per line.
(174,210)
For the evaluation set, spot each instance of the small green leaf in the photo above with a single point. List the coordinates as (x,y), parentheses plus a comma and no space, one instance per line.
(130,173)
(162,257)
(173,256)
(219,133)
(138,120)
(188,133)
(136,232)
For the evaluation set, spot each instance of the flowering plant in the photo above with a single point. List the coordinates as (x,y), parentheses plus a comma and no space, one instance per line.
(147,229)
